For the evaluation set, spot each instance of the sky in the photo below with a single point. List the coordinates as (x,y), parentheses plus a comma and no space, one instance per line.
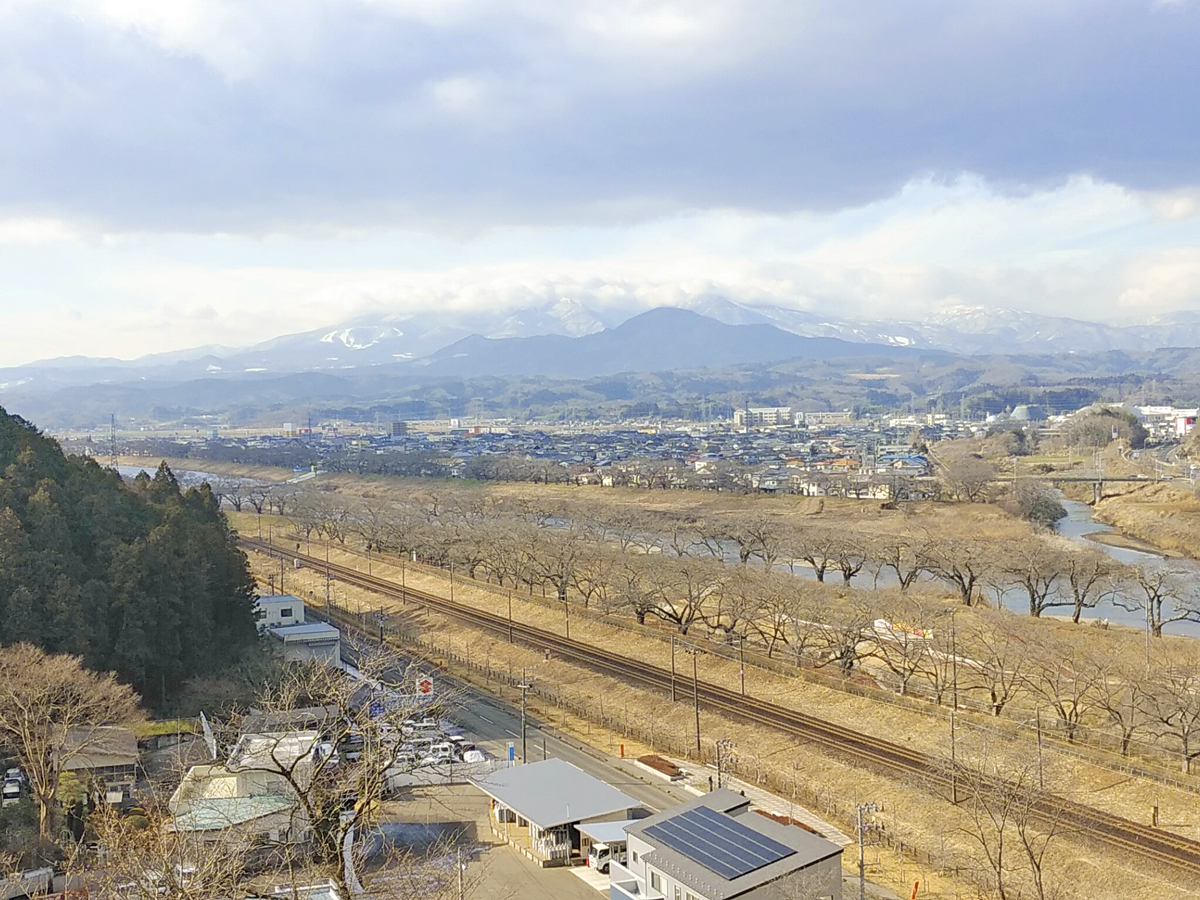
(193,172)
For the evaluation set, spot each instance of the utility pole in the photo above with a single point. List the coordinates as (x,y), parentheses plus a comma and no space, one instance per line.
(524,686)
(672,668)
(567,610)
(1041,780)
(953,711)
(696,696)
(742,660)
(451,581)
(865,826)
(112,441)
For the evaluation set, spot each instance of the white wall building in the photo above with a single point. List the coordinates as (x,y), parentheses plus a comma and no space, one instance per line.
(715,848)
(280,609)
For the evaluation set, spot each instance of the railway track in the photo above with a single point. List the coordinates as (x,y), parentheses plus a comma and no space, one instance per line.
(1149,843)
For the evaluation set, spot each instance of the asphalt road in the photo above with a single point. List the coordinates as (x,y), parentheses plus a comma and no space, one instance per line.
(491,724)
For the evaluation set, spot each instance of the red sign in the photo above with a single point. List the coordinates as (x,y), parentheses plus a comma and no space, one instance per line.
(425,686)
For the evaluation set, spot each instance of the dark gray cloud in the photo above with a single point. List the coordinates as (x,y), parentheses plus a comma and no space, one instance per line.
(310,114)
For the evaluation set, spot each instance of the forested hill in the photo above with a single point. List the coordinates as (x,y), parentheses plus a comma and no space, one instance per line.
(138,578)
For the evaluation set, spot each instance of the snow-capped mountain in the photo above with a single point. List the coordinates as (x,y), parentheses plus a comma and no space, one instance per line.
(391,339)
(971,330)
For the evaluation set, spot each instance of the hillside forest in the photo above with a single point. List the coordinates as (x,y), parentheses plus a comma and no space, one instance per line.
(142,579)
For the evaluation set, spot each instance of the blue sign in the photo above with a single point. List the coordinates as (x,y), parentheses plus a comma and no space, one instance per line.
(376,709)
(512,752)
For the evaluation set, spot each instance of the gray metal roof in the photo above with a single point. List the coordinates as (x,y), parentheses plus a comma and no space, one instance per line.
(809,848)
(553,792)
(311,630)
(606,832)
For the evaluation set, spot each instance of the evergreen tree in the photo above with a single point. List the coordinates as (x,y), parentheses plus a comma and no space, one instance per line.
(143,578)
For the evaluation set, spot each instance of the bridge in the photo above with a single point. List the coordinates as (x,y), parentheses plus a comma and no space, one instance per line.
(1096,479)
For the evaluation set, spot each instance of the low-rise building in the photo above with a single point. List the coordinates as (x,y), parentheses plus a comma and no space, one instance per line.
(249,797)
(279,609)
(310,642)
(539,807)
(104,759)
(715,848)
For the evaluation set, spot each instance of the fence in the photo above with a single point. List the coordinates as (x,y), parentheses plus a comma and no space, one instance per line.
(1088,744)
(802,790)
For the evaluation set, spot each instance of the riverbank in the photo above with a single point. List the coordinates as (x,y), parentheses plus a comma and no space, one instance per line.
(1127,542)
(1162,516)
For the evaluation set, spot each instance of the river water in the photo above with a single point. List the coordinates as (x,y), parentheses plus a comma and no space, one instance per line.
(1079,522)
(186,477)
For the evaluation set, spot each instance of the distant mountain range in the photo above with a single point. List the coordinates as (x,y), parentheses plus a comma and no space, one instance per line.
(566,339)
(424,339)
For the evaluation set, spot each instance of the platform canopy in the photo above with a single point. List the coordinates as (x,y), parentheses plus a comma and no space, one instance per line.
(553,792)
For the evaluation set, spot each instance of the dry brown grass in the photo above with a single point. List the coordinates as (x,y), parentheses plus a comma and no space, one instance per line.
(919,819)
(1162,514)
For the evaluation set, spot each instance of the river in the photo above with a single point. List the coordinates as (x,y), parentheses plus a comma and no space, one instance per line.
(1080,522)
(186,477)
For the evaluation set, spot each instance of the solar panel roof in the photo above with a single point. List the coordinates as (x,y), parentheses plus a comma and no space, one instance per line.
(718,842)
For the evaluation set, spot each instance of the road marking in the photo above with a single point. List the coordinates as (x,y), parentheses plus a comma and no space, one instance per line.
(485,718)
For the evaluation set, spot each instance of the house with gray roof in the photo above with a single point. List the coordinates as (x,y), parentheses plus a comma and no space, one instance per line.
(715,848)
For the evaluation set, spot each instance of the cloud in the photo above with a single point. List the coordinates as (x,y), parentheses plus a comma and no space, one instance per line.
(295,115)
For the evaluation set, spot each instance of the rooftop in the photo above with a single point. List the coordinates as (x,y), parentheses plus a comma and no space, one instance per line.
(712,843)
(553,792)
(311,630)
(99,747)
(215,813)
(274,751)
(606,832)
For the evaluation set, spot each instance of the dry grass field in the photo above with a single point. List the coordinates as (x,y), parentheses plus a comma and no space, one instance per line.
(927,825)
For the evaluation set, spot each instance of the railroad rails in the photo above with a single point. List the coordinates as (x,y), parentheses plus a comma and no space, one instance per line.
(1149,843)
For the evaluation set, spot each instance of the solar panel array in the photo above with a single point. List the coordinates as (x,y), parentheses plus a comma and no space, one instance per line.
(718,842)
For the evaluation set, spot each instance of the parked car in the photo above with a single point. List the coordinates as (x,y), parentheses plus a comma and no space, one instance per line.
(11,792)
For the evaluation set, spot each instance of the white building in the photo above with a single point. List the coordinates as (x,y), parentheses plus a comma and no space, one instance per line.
(280,609)
(715,848)
(760,416)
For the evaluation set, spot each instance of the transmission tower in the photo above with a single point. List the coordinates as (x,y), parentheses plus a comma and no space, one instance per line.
(112,440)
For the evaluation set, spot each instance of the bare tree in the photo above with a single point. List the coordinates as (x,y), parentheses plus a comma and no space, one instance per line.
(1124,694)
(968,477)
(1163,595)
(1035,567)
(1067,676)
(963,563)
(1000,796)
(1174,703)
(900,641)
(816,546)
(334,796)
(998,655)
(1090,575)
(51,709)
(903,556)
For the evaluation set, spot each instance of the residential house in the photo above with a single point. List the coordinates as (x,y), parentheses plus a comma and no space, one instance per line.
(715,848)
